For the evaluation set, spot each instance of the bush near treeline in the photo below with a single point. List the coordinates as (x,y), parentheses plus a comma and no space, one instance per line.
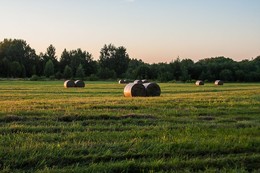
(19,60)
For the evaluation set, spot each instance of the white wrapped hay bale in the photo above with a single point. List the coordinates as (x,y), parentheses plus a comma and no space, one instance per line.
(79,83)
(219,82)
(69,84)
(145,81)
(152,89)
(122,81)
(199,82)
(134,90)
(138,81)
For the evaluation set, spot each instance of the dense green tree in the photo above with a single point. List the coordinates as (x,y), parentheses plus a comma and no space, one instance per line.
(114,58)
(131,72)
(76,57)
(240,75)
(64,60)
(5,67)
(16,69)
(176,69)
(67,74)
(49,68)
(165,72)
(51,55)
(143,72)
(19,51)
(184,74)
(226,75)
(105,73)
(80,72)
(18,59)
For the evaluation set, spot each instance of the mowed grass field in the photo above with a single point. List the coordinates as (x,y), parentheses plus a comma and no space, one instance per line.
(45,127)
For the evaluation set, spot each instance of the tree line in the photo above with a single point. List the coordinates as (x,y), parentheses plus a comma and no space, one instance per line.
(19,60)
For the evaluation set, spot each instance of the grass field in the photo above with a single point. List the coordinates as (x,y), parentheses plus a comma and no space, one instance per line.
(47,128)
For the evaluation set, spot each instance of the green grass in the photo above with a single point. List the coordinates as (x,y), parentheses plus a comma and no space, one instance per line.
(47,128)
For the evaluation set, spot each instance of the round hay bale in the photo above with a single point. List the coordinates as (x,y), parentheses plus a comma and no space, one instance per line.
(138,81)
(121,81)
(145,81)
(134,90)
(152,89)
(69,84)
(199,82)
(79,83)
(219,82)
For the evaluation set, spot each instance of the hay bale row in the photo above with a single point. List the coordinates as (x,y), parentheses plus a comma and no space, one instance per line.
(142,90)
(217,82)
(71,84)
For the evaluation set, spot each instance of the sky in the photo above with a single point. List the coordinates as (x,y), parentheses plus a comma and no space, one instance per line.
(152,30)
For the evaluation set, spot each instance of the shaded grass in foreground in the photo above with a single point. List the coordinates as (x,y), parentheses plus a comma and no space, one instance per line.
(47,128)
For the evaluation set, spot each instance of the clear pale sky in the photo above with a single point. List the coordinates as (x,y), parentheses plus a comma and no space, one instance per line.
(151,30)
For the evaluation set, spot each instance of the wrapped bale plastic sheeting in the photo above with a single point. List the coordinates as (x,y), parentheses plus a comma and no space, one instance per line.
(134,90)
(123,81)
(152,89)
(79,83)
(69,84)
(138,81)
(219,82)
(145,81)
(199,82)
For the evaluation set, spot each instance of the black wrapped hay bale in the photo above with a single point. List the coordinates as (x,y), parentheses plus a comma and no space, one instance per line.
(69,84)
(79,83)
(134,90)
(219,82)
(152,89)
(199,82)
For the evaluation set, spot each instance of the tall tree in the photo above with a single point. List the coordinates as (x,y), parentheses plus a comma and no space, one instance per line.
(16,69)
(19,51)
(67,72)
(226,75)
(64,60)
(80,73)
(74,58)
(114,58)
(51,55)
(49,68)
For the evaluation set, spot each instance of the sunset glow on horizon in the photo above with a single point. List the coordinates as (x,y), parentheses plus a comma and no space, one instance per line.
(151,30)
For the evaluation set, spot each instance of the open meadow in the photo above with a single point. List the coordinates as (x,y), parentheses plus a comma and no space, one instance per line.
(45,127)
